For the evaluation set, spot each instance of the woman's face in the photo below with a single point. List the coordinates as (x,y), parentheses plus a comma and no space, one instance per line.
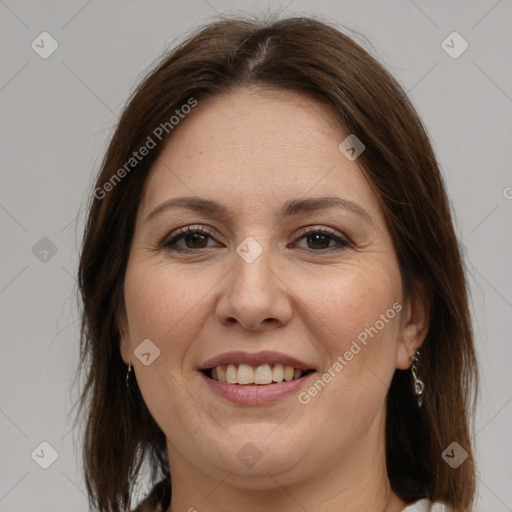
(294,266)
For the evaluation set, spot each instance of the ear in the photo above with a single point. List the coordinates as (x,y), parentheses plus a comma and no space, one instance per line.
(415,325)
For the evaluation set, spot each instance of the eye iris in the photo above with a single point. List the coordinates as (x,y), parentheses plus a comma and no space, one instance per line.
(196,238)
(319,239)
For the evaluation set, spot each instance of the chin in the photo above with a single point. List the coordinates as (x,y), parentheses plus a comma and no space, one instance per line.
(268,473)
(252,461)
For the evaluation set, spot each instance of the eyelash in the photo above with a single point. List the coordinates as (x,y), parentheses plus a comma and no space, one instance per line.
(170,240)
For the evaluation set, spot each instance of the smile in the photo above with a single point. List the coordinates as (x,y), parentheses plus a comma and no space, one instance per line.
(263,374)
(252,379)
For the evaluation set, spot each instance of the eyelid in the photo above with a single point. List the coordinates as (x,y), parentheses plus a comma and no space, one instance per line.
(192,228)
(170,239)
(322,229)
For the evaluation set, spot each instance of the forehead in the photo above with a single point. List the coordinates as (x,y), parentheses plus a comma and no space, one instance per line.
(259,147)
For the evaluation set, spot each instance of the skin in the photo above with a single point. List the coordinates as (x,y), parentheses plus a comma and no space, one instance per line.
(251,151)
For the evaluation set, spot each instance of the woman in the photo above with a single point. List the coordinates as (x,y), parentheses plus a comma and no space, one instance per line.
(275,311)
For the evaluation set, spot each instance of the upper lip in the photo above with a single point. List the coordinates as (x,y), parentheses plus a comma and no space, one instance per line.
(254,359)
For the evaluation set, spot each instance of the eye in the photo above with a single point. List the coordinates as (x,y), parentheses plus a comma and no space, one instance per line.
(324,239)
(194,237)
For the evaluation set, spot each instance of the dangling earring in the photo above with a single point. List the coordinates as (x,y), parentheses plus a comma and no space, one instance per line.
(128,375)
(418,384)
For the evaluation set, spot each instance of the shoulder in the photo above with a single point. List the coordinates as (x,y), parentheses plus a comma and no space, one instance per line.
(426,506)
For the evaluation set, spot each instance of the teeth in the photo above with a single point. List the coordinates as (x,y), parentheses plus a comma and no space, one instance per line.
(288,373)
(245,374)
(277,373)
(262,375)
(231,374)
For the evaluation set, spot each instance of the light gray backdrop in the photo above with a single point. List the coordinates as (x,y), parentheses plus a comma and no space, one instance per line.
(58,110)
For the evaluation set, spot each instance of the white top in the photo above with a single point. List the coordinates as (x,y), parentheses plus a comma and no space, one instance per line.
(423,506)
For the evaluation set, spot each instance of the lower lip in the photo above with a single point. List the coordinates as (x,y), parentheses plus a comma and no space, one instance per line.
(256,394)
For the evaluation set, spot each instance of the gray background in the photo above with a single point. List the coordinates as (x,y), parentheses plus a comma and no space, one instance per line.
(58,113)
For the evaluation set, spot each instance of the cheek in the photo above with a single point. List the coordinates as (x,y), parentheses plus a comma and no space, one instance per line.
(356,317)
(164,304)
(352,300)
(356,323)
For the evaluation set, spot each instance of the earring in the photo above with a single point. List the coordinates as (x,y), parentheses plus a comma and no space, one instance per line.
(418,385)
(128,375)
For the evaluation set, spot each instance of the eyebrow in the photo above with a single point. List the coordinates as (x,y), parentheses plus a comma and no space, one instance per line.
(290,208)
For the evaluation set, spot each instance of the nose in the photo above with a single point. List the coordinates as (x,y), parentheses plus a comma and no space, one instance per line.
(254,295)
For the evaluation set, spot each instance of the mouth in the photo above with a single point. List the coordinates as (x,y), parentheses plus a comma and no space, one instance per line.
(266,374)
(258,378)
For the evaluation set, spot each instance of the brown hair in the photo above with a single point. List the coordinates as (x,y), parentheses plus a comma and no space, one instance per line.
(309,56)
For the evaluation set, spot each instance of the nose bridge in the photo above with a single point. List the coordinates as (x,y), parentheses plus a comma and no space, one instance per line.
(254,261)
(253,269)
(254,293)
